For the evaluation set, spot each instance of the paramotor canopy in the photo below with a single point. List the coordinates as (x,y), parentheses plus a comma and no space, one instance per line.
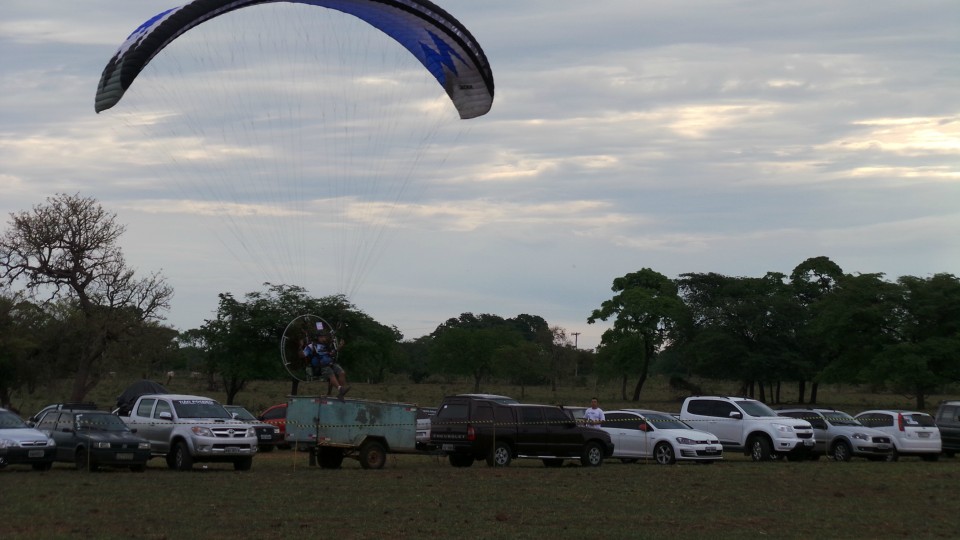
(439,41)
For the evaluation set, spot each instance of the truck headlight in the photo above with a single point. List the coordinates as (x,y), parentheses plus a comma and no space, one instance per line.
(783,428)
(202,431)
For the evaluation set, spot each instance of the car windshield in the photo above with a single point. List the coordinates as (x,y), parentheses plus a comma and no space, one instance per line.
(837,418)
(100,422)
(755,408)
(242,414)
(200,408)
(8,420)
(665,421)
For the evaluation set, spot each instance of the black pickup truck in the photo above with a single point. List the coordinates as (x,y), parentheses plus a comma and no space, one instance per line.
(468,428)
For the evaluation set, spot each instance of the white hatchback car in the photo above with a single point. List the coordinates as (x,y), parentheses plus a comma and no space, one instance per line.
(644,434)
(913,433)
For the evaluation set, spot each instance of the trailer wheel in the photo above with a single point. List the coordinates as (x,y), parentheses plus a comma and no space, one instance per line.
(330,458)
(373,455)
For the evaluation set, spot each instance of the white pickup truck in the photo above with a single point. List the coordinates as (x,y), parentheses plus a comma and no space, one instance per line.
(747,425)
(186,429)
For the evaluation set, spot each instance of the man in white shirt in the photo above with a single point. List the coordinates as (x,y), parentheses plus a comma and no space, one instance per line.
(594,415)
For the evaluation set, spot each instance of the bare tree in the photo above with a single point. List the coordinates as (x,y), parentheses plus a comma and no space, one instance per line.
(67,250)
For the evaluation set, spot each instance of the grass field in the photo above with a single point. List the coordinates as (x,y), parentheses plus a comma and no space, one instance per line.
(418,496)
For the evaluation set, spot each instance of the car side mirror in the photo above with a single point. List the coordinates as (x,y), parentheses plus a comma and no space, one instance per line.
(736,414)
(165,416)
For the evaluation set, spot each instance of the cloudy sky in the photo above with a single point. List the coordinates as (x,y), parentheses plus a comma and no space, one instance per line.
(737,137)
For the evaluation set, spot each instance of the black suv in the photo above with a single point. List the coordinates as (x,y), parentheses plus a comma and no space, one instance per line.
(468,428)
(948,420)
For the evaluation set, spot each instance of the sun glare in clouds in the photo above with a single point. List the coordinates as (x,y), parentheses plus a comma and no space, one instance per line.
(909,135)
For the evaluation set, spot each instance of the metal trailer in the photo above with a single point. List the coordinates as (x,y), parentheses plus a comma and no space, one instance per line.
(366,430)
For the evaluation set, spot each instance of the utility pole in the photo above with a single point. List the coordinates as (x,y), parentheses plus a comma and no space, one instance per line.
(576,365)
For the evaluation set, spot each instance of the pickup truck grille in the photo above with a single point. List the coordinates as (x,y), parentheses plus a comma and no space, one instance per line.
(229,432)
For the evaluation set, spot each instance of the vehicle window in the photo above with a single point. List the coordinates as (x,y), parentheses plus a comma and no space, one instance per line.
(838,418)
(275,414)
(923,420)
(618,420)
(242,414)
(48,422)
(8,420)
(504,416)
(199,408)
(162,407)
(701,407)
(483,413)
(531,415)
(453,411)
(65,422)
(556,417)
(755,408)
(722,409)
(101,421)
(949,413)
(146,405)
(876,420)
(665,421)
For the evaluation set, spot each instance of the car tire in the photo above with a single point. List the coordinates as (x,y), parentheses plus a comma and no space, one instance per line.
(592,455)
(893,456)
(500,455)
(373,455)
(663,453)
(460,460)
(181,458)
(841,451)
(83,462)
(759,448)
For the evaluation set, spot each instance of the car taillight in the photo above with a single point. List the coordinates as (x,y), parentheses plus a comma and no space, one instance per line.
(900,422)
(471,434)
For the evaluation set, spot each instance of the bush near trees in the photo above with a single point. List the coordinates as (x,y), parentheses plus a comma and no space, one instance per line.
(70,307)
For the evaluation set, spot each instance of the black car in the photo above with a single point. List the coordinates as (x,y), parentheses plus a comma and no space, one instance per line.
(268,435)
(91,439)
(948,420)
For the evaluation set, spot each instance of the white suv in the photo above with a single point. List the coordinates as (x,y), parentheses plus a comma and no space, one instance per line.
(747,425)
(841,436)
(913,433)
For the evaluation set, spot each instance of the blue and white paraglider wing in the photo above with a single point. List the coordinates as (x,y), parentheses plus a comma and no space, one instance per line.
(438,40)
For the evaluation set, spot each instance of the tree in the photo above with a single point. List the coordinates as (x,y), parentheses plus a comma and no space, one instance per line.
(812,281)
(21,338)
(68,249)
(646,307)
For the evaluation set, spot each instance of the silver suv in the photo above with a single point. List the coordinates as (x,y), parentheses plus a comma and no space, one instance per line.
(841,436)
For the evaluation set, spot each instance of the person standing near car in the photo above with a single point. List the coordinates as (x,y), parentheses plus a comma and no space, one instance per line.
(594,415)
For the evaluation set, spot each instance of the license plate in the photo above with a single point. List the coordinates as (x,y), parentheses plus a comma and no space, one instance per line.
(35,453)
(883,447)
(125,457)
(266,437)
(710,450)
(924,435)
(447,447)
(808,443)
(231,449)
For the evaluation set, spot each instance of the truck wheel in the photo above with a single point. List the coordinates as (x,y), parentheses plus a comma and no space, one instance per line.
(592,455)
(841,451)
(460,460)
(373,455)
(182,460)
(759,448)
(243,464)
(330,458)
(664,455)
(83,462)
(500,455)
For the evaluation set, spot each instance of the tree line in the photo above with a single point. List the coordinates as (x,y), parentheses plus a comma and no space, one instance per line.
(70,307)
